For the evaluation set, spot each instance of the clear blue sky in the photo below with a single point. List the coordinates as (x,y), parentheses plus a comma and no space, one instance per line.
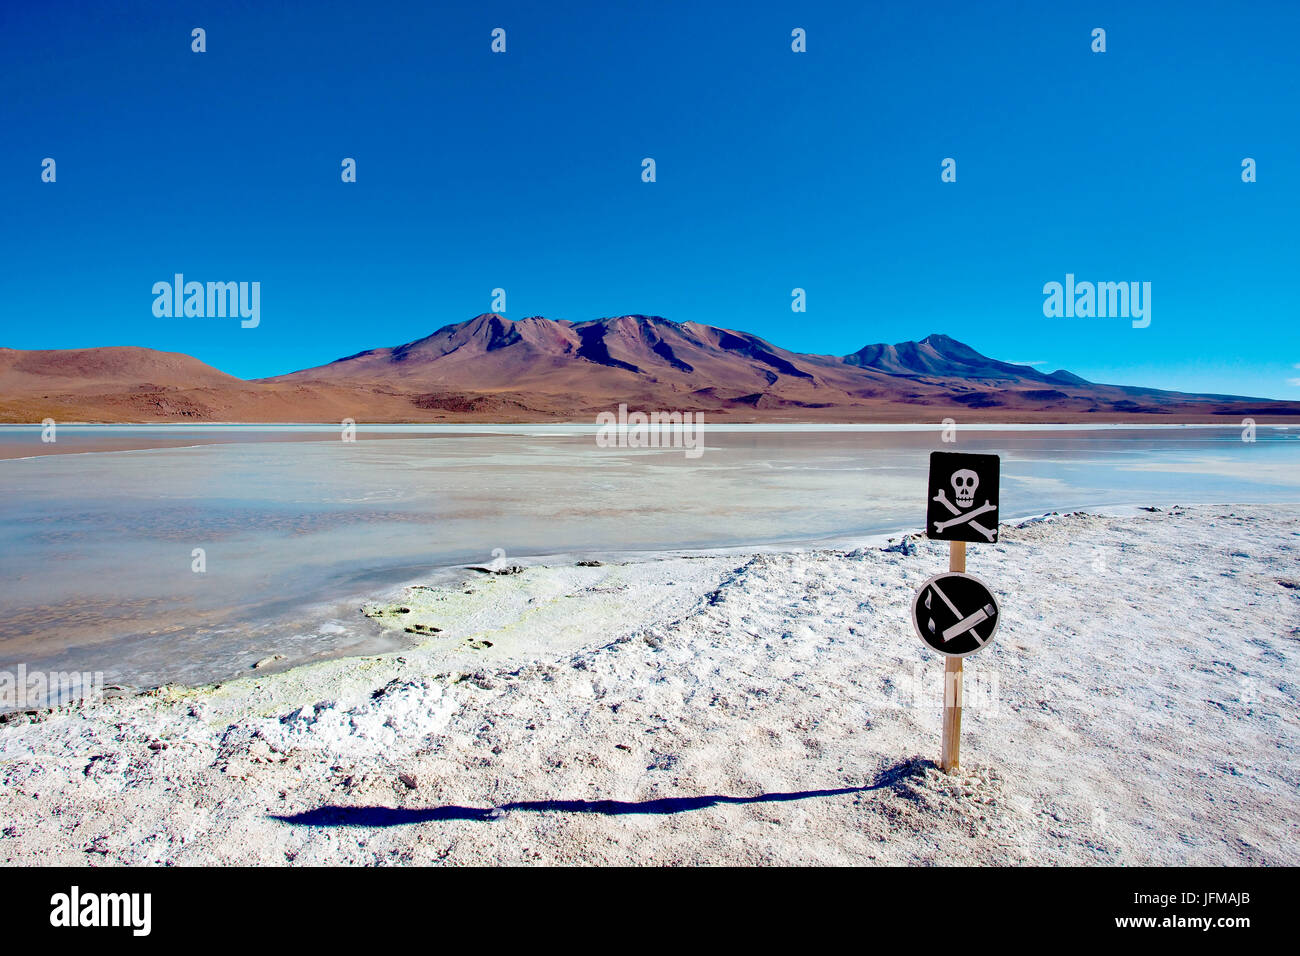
(775,170)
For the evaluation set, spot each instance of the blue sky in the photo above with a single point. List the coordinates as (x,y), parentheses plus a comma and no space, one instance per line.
(775,170)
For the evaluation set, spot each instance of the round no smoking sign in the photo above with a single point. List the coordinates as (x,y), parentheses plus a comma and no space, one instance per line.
(955,614)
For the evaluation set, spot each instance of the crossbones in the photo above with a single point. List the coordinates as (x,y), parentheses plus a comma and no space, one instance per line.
(966,518)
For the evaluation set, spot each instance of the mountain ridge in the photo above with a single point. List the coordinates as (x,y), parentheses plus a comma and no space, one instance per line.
(490,368)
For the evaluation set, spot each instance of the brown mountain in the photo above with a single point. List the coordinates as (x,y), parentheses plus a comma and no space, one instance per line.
(491,368)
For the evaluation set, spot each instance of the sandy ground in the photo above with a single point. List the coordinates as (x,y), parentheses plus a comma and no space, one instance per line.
(1137,707)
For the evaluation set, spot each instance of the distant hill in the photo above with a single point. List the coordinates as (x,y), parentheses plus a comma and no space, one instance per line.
(491,368)
(93,368)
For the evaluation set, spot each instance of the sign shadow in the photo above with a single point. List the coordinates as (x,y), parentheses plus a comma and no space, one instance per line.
(340,816)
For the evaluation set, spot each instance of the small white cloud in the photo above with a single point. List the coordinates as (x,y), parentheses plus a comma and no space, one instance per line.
(1294,382)
(1044,362)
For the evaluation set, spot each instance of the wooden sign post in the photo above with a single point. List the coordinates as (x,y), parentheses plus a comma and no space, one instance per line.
(950,753)
(956,614)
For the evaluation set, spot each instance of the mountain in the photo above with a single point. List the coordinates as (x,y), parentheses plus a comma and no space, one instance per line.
(945,357)
(491,368)
(632,355)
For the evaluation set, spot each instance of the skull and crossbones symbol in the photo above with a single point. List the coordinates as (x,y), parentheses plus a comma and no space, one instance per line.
(964,484)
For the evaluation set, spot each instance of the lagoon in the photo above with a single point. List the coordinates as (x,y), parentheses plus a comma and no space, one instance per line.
(297,528)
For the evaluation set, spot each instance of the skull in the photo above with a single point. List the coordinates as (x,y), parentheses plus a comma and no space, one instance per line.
(964,483)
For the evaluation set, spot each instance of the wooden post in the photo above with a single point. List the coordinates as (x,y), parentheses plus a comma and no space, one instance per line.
(950,758)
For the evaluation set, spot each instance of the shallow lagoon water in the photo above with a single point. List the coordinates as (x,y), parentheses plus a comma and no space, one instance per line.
(298,528)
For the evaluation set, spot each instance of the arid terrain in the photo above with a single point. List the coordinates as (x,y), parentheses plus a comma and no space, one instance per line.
(494,369)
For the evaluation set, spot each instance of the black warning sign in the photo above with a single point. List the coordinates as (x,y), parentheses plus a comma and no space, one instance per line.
(955,614)
(962,497)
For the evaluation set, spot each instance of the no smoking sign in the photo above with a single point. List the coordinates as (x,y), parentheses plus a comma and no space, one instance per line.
(955,614)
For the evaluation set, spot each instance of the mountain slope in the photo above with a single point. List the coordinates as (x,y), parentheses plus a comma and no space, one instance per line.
(89,369)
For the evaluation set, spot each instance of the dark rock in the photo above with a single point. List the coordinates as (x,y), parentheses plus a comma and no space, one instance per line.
(906,546)
(503,569)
